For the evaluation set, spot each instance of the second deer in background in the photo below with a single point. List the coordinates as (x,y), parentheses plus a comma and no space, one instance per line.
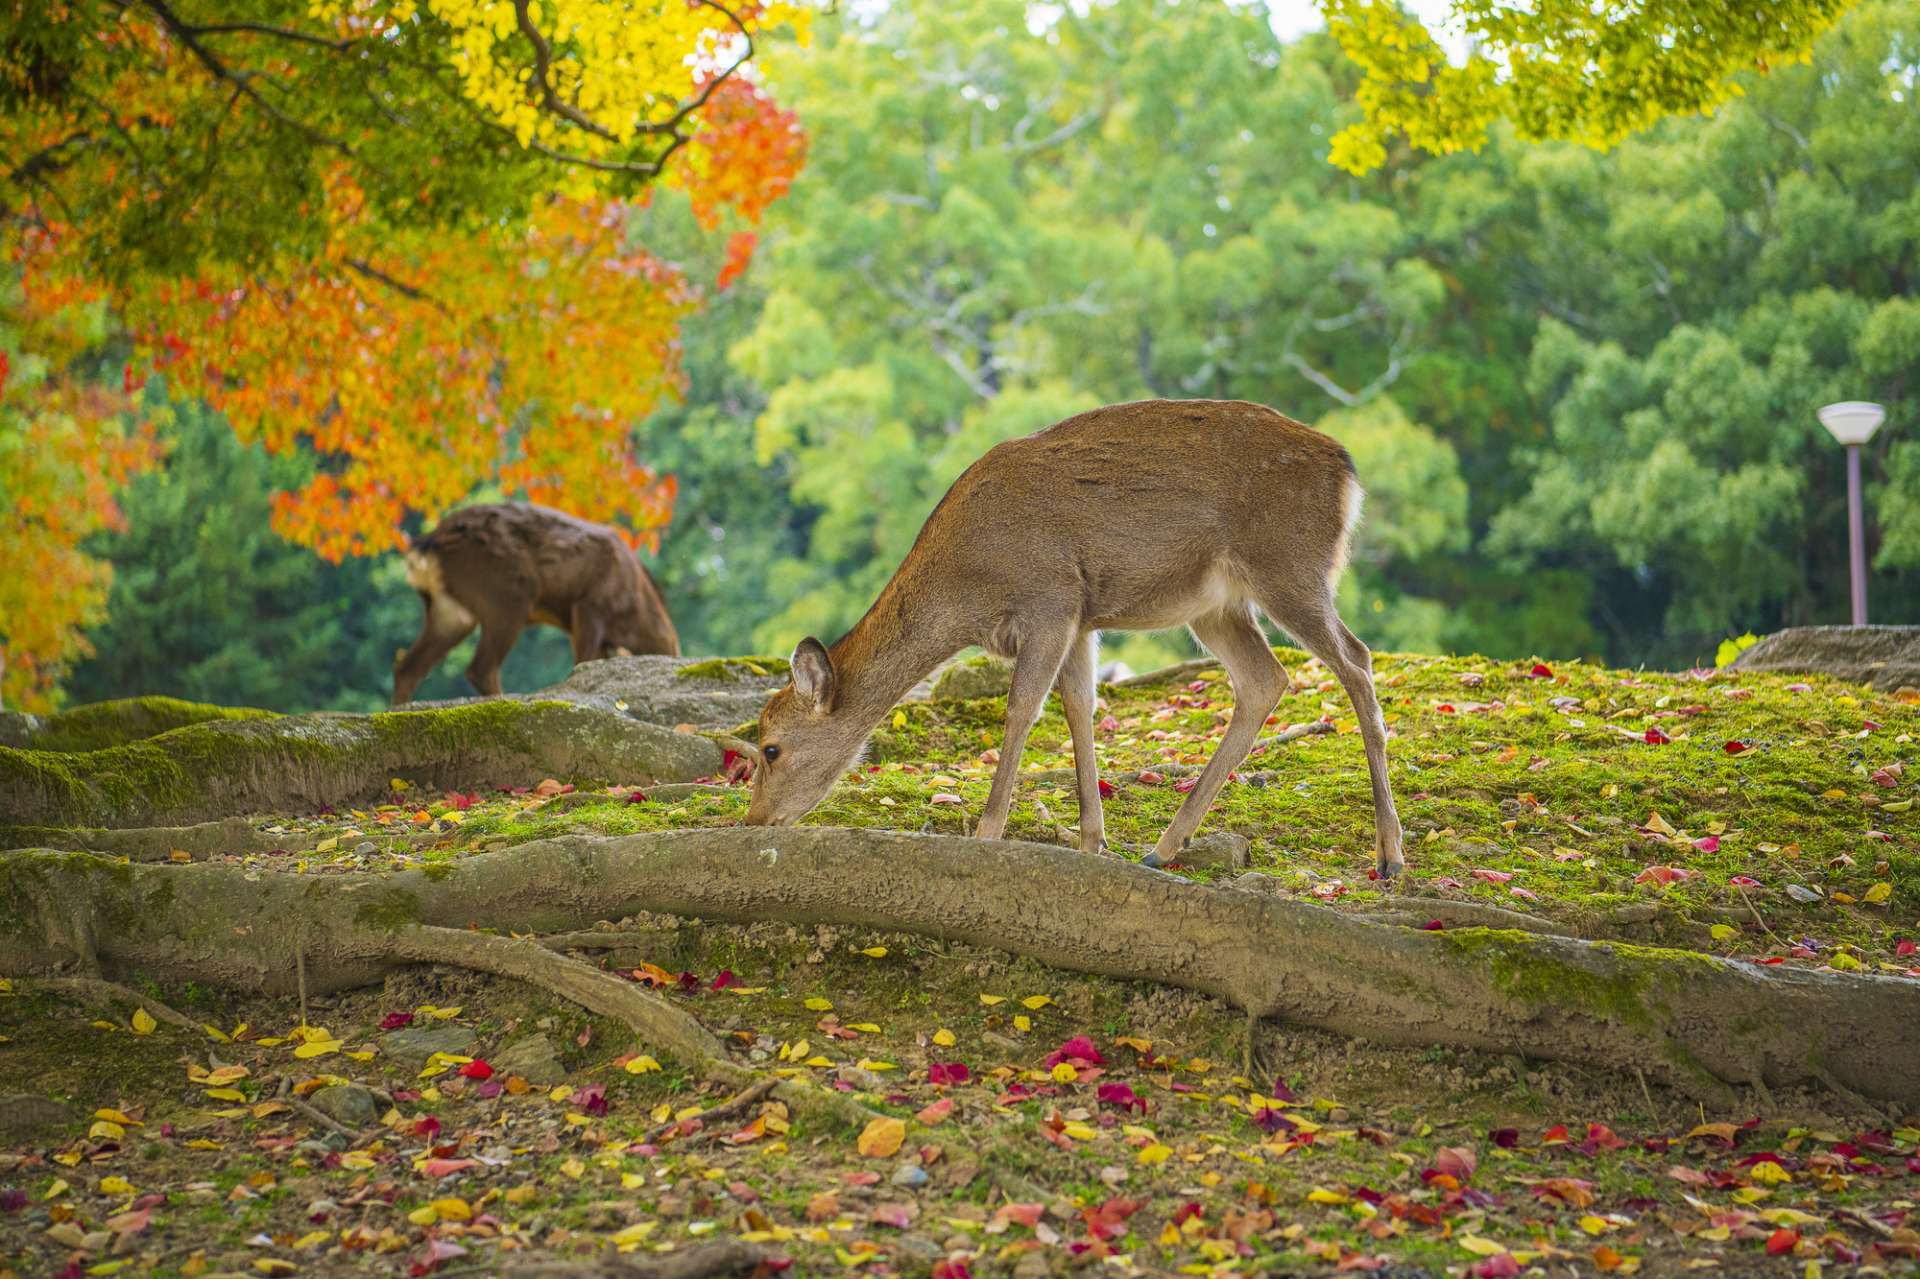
(502,567)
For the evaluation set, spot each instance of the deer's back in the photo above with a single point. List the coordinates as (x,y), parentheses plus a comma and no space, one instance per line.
(547,559)
(1145,514)
(1153,472)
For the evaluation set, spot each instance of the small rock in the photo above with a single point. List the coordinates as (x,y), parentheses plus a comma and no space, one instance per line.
(348,1104)
(910,1175)
(25,1114)
(1222,850)
(535,1059)
(975,677)
(365,848)
(922,1246)
(1033,1265)
(412,1045)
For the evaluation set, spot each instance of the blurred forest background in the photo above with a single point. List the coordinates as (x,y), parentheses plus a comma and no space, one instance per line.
(1579,386)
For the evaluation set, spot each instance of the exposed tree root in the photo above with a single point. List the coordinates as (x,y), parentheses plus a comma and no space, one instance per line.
(730,1258)
(148,843)
(100,990)
(657,1022)
(1690,1020)
(734,1105)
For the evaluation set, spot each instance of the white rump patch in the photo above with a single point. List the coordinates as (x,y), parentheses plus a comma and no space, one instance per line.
(423,575)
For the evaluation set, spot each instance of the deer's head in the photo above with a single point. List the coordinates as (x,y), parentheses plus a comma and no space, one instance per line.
(806,741)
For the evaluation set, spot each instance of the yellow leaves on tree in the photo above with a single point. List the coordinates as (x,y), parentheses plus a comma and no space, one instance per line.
(1558,69)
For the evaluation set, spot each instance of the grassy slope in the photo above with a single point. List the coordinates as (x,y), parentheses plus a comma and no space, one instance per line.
(1554,797)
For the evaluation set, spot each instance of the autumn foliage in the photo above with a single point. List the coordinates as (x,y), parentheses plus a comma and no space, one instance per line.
(394,236)
(67,444)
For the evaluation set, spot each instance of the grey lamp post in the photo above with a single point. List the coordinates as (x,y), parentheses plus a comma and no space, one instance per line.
(1852,423)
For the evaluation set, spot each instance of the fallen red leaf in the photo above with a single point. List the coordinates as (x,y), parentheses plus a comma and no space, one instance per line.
(1077,1049)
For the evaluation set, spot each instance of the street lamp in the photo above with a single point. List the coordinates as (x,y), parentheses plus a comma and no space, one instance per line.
(1852,423)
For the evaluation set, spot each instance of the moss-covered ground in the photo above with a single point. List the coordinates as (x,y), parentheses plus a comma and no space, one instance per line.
(1052,1123)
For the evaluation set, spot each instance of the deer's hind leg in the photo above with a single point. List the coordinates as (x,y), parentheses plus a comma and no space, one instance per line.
(444,625)
(1313,621)
(1232,635)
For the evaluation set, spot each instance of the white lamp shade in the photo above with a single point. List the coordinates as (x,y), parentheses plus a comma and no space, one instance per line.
(1852,421)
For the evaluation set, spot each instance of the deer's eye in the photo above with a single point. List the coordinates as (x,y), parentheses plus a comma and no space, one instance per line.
(770,753)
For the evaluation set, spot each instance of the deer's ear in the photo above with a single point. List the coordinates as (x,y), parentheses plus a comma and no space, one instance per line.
(813,674)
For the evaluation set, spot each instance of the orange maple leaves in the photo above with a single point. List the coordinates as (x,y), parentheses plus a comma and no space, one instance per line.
(423,370)
(67,446)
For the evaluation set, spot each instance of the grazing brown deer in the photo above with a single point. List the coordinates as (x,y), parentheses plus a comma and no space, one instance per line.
(1132,517)
(501,567)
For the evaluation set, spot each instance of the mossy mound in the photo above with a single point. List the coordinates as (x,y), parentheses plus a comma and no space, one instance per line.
(101,725)
(300,763)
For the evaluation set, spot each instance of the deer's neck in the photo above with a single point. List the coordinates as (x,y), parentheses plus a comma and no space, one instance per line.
(892,648)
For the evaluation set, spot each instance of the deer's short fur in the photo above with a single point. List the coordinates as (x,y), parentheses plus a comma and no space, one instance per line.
(1131,517)
(501,567)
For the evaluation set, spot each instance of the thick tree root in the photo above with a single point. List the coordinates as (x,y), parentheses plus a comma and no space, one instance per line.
(1691,1020)
(296,763)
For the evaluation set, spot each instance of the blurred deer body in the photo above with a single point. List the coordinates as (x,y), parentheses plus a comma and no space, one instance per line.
(1132,517)
(502,567)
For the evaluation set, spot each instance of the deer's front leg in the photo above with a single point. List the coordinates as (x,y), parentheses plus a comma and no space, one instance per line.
(1034,670)
(1077,704)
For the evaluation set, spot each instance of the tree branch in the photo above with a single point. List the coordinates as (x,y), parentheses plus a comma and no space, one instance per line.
(240,79)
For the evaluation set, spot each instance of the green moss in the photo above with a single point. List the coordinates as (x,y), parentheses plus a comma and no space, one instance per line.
(455,727)
(1630,993)
(130,719)
(388,910)
(730,669)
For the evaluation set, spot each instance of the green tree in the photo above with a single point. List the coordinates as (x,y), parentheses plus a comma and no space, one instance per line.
(1000,226)
(1716,282)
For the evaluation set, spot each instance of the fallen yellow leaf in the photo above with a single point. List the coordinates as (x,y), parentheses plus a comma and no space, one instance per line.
(882,1138)
(143,1022)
